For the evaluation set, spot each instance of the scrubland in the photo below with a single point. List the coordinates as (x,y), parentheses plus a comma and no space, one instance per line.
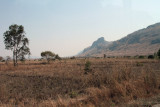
(109,82)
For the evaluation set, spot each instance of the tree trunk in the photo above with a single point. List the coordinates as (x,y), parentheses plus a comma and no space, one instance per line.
(16,54)
(14,62)
(16,58)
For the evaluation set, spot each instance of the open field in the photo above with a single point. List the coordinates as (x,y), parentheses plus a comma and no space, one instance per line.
(107,83)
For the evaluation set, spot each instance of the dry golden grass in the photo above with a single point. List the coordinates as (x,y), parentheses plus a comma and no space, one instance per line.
(110,82)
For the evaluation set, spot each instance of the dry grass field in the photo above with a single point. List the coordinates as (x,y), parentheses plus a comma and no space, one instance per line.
(109,82)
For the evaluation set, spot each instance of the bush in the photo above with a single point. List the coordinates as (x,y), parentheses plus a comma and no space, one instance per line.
(73,94)
(73,57)
(3,60)
(150,57)
(141,57)
(139,64)
(58,57)
(87,67)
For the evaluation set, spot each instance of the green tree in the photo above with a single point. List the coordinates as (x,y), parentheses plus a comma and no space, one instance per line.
(48,55)
(15,40)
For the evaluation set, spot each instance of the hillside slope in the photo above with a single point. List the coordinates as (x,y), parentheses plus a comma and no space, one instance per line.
(142,42)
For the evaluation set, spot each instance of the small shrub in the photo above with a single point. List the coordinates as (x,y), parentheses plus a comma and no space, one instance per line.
(150,57)
(141,57)
(73,94)
(73,57)
(87,67)
(139,64)
(43,63)
(3,61)
(136,57)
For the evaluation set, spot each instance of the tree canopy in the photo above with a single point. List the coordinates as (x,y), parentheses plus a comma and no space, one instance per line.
(48,55)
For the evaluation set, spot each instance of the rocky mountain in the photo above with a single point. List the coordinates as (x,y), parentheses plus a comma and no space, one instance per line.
(142,42)
(96,47)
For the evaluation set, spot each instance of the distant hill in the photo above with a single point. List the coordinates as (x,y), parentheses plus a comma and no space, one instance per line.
(142,42)
(96,47)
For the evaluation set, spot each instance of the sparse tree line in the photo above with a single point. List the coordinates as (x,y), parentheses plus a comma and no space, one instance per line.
(154,56)
(16,41)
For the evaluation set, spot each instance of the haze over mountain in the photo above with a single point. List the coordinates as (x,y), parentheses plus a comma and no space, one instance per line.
(142,42)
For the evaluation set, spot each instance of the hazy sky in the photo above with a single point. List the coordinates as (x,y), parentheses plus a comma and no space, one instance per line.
(68,26)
